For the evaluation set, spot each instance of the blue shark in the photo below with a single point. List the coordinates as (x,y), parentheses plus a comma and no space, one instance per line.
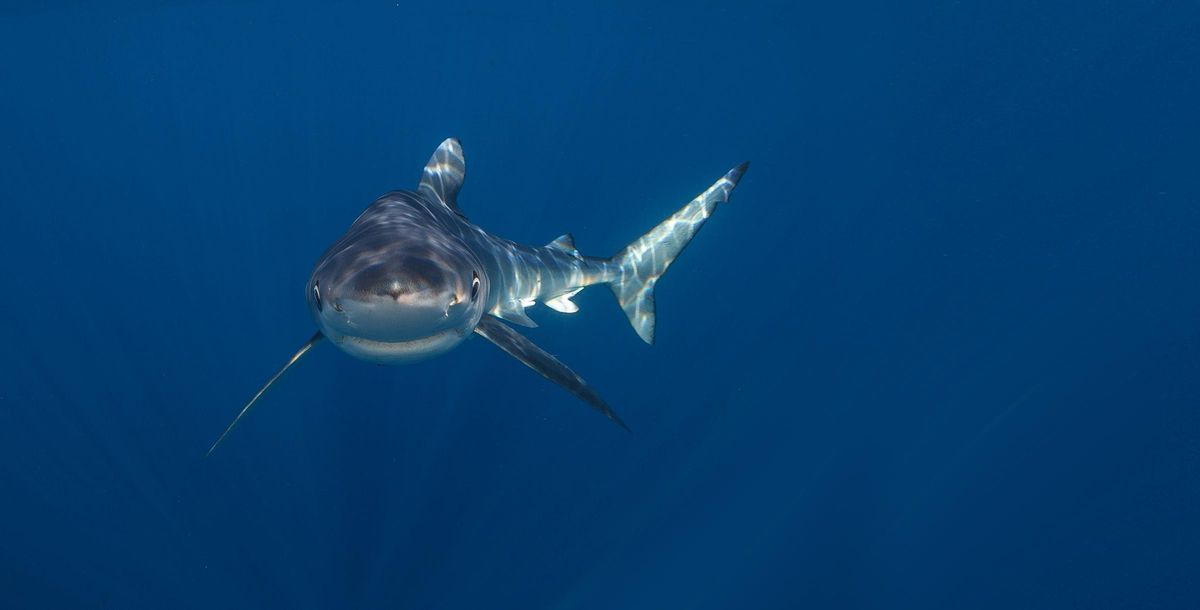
(412,278)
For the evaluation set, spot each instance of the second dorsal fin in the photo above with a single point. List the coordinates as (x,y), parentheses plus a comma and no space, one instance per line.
(564,242)
(444,174)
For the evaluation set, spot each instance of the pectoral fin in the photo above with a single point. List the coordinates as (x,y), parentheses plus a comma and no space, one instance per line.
(514,311)
(517,346)
(263,390)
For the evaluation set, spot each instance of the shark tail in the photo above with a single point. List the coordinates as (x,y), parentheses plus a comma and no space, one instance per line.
(642,262)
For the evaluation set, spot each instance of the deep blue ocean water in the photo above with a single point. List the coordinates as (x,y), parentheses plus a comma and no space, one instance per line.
(941,350)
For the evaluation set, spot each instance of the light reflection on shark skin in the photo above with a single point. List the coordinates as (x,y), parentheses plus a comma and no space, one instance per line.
(412,278)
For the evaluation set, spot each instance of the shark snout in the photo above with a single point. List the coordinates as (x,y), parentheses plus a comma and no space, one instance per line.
(398,291)
(401,299)
(404,277)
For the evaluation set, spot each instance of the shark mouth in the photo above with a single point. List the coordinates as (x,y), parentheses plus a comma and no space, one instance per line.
(399,352)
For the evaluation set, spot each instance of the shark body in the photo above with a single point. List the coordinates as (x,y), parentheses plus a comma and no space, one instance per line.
(412,278)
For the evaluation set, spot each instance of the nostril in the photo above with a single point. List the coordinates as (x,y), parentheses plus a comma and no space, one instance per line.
(337,306)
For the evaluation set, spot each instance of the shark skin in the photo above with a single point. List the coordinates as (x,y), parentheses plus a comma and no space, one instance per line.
(412,278)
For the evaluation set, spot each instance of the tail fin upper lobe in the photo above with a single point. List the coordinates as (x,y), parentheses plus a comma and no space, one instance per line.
(642,262)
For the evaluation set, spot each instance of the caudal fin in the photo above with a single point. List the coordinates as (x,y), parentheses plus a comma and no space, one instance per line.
(642,262)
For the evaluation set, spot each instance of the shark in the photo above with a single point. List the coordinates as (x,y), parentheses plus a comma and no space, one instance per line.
(412,278)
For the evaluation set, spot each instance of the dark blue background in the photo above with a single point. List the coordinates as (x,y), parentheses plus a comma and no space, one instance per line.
(942,350)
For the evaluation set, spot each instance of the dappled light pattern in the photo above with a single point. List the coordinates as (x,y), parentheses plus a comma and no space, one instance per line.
(645,260)
(412,277)
(443,175)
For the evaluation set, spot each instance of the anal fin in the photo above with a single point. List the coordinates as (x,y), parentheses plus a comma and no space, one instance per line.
(534,357)
(562,303)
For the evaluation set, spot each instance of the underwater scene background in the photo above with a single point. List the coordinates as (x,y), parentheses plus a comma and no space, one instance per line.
(940,350)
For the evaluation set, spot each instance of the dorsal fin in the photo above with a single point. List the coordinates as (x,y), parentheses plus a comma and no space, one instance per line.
(444,174)
(564,242)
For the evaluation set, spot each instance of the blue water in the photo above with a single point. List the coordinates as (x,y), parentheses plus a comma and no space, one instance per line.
(941,350)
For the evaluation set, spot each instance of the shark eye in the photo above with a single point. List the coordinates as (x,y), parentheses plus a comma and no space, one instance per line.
(317,295)
(474,286)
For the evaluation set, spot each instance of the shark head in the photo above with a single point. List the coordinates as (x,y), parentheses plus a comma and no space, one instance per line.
(392,300)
